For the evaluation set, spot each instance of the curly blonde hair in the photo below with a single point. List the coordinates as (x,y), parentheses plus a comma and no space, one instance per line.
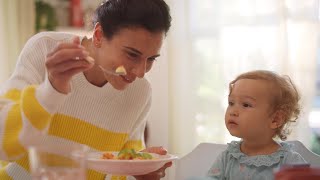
(286,97)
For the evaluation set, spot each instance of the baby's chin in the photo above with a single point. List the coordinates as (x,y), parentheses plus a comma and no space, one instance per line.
(234,134)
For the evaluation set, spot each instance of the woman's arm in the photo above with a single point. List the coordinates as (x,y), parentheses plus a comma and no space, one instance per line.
(27,101)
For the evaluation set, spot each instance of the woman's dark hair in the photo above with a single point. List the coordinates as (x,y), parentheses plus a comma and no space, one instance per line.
(113,15)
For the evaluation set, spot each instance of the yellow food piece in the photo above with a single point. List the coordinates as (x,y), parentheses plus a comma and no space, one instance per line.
(121,70)
(90,59)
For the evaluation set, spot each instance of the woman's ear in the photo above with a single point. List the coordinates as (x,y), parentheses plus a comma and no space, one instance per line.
(97,35)
(277,120)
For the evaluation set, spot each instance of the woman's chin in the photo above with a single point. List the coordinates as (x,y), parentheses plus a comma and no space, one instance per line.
(119,87)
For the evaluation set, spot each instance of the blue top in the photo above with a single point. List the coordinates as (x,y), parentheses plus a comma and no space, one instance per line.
(232,164)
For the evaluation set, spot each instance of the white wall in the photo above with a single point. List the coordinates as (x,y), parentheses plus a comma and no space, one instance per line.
(158,118)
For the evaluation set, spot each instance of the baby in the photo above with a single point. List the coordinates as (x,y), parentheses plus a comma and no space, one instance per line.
(261,106)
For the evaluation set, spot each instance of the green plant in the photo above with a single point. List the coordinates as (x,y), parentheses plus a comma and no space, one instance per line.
(46,19)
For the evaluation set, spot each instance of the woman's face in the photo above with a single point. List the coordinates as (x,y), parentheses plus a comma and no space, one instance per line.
(134,48)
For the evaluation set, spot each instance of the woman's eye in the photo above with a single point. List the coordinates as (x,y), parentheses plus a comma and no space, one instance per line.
(246,105)
(152,59)
(230,103)
(132,55)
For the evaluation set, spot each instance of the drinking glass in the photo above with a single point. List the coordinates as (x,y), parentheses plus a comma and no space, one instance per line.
(58,163)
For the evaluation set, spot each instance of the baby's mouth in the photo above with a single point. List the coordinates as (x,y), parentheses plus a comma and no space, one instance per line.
(232,122)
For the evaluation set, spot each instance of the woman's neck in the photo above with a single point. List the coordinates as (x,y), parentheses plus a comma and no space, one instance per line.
(259,148)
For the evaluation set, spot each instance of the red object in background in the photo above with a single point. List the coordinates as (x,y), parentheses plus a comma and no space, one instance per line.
(76,13)
(298,173)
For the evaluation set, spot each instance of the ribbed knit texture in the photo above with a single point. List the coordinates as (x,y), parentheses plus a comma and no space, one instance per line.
(33,112)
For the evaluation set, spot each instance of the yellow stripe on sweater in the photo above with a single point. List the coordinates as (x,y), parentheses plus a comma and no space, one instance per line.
(3,163)
(13,94)
(34,112)
(13,126)
(85,133)
(118,178)
(94,175)
(24,162)
(4,175)
(30,105)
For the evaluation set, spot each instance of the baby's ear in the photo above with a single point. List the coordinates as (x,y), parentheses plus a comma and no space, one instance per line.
(277,119)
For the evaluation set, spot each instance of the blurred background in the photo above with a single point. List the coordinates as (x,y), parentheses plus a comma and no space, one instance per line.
(210,42)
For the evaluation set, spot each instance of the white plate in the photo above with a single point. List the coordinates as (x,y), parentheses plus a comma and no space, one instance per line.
(127,167)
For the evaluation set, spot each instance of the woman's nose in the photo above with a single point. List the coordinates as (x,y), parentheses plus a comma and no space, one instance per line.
(139,70)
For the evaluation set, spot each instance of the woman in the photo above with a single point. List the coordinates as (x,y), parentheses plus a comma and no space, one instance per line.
(62,91)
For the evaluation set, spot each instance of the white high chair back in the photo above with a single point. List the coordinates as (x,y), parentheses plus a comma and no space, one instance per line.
(198,161)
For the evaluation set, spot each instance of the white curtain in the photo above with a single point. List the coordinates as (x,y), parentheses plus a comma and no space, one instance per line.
(212,41)
(17,22)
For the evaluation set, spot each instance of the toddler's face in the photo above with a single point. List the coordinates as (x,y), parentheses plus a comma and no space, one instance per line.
(249,115)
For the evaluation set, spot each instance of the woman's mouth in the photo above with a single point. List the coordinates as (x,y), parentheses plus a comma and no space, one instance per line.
(127,80)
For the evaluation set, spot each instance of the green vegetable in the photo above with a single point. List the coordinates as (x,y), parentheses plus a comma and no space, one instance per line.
(132,154)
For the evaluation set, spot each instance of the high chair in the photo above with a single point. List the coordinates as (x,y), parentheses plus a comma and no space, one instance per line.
(199,160)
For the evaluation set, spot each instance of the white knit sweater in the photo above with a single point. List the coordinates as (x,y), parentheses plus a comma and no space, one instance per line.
(32,111)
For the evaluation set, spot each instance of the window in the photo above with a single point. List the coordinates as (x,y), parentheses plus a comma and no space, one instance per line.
(215,40)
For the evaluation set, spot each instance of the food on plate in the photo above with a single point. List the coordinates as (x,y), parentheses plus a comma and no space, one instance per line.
(127,154)
(121,70)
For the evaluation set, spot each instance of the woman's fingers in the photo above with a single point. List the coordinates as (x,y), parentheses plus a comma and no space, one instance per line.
(156,175)
(158,150)
(76,40)
(160,173)
(66,60)
(61,46)
(71,64)
(66,54)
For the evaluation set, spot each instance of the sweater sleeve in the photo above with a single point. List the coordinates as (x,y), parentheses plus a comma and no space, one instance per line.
(27,101)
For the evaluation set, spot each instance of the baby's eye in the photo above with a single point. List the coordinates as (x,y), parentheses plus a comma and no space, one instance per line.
(246,105)
(230,103)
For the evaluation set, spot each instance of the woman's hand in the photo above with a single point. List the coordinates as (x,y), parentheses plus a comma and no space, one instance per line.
(160,173)
(66,60)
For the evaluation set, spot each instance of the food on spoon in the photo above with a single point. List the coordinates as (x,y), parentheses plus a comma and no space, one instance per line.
(89,59)
(128,154)
(121,70)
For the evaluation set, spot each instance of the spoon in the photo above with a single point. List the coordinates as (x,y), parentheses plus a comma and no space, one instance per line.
(120,71)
